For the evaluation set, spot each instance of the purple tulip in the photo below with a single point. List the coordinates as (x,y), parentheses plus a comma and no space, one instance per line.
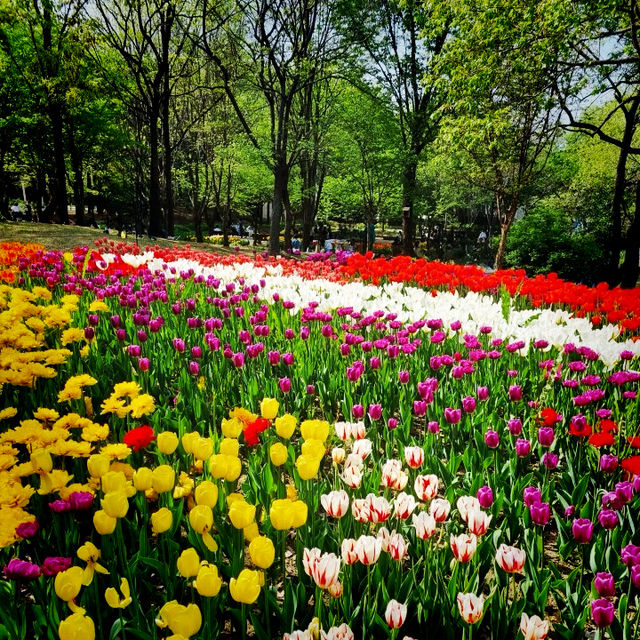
(492,439)
(602,612)
(630,555)
(550,460)
(304,332)
(60,506)
(523,448)
(89,333)
(608,463)
(93,319)
(469,404)
(121,335)
(515,393)
(285,385)
(419,407)
(604,584)
(531,495)
(582,529)
(21,570)
(55,564)
(540,513)
(196,352)
(310,389)
(608,519)
(238,360)
(455,325)
(374,411)
(178,345)
(485,497)
(624,492)
(115,321)
(482,393)
(144,364)
(392,423)
(134,350)
(27,530)
(569,511)
(81,500)
(433,426)
(452,416)
(403,376)
(546,436)
(194,368)
(288,359)
(357,411)
(142,335)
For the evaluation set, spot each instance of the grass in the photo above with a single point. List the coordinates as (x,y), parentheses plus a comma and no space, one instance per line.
(66,237)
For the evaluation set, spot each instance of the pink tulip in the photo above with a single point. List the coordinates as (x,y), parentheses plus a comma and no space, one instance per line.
(510,559)
(395,614)
(470,607)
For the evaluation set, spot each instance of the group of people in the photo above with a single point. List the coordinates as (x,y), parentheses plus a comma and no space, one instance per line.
(16,214)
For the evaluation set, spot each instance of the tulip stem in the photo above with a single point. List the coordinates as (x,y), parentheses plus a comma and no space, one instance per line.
(243,621)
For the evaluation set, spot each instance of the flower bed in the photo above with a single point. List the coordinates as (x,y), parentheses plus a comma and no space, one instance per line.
(196,446)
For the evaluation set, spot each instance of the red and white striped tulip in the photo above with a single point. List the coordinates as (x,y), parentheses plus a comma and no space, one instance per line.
(426,487)
(414,456)
(510,559)
(478,522)
(393,477)
(335,503)
(470,607)
(464,546)
(395,614)
(325,571)
(397,546)
(533,628)
(404,505)
(466,504)
(368,549)
(424,524)
(348,551)
(439,509)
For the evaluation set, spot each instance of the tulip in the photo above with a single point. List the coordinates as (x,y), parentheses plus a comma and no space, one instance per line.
(478,522)
(414,456)
(608,463)
(404,505)
(206,493)
(492,439)
(362,448)
(285,425)
(515,426)
(469,404)
(510,559)
(426,487)
(439,509)
(470,607)
(325,569)
(115,504)
(163,479)
(335,589)
(348,551)
(531,495)
(396,546)
(515,393)
(540,513)
(604,584)
(582,529)
(114,600)
(161,521)
(201,518)
(485,497)
(188,563)
(374,411)
(424,524)
(278,454)
(335,503)
(395,614)
(464,546)
(241,514)
(284,384)
(338,454)
(77,626)
(262,552)
(602,612)
(533,628)
(523,448)
(608,519)
(393,477)
(269,408)
(368,549)
(21,570)
(167,442)
(452,416)
(104,523)
(546,436)
(467,504)
(343,632)
(68,583)
(550,460)
(208,582)
(55,564)
(357,411)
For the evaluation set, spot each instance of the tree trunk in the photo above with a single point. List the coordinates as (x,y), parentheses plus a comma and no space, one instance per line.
(78,179)
(504,230)
(408,196)
(614,249)
(168,161)
(60,169)
(631,265)
(155,217)
(280,184)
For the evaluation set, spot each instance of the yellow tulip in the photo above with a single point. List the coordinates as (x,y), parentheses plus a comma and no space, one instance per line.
(227,467)
(208,582)
(142,478)
(230,447)
(207,493)
(41,461)
(307,467)
(167,442)
(269,408)
(163,478)
(202,448)
(251,531)
(262,552)
(286,425)
(246,587)
(114,600)
(278,454)
(313,448)
(241,514)
(231,428)
(77,626)
(115,504)
(161,521)
(68,583)
(300,512)
(201,518)
(187,621)
(188,440)
(281,514)
(103,522)
(315,430)
(188,563)
(113,481)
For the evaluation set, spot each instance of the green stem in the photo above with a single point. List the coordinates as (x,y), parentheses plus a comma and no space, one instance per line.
(243,621)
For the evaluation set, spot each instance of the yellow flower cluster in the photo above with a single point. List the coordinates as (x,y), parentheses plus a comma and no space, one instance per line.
(126,399)
(314,434)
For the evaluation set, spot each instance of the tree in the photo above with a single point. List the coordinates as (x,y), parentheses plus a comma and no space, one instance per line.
(499,110)
(403,40)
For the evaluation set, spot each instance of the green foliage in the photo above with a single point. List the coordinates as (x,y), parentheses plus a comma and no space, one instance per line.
(547,239)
